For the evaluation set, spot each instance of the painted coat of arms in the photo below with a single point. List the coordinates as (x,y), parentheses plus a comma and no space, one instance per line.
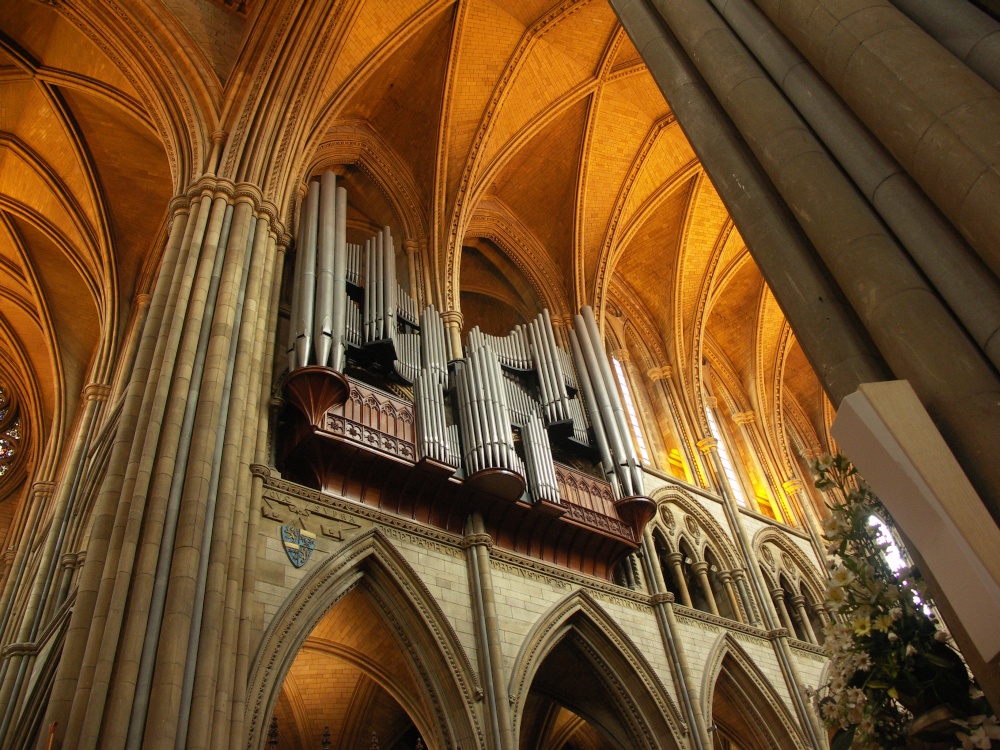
(299,544)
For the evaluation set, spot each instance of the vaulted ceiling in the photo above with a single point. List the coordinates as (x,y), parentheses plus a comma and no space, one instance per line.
(521,146)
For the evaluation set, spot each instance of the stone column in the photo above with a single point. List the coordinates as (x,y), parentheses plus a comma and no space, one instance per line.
(740,578)
(778,597)
(827,329)
(41,591)
(410,247)
(700,569)
(727,581)
(676,562)
(453,322)
(799,602)
(663,388)
(663,605)
(822,613)
(478,543)
(796,493)
(782,651)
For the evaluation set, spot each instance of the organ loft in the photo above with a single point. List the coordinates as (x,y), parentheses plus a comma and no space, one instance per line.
(447,374)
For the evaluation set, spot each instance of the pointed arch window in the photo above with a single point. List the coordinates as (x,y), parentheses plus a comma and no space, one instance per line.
(727,465)
(10,431)
(633,415)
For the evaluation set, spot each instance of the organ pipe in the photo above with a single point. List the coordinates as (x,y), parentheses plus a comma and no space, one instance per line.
(325,259)
(307,280)
(347,295)
(340,264)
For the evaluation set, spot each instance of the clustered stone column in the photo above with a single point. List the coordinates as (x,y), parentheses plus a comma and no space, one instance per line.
(162,598)
(676,562)
(700,569)
(453,322)
(726,577)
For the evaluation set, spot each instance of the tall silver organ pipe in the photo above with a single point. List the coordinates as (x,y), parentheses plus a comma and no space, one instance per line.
(542,480)
(434,438)
(487,439)
(600,436)
(307,280)
(340,281)
(616,401)
(434,347)
(605,409)
(318,325)
(325,251)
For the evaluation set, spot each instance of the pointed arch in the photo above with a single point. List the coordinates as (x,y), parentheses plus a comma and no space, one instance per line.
(793,561)
(714,533)
(759,705)
(441,666)
(633,685)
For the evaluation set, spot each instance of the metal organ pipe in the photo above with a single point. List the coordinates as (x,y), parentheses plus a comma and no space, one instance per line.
(616,402)
(307,286)
(293,314)
(593,406)
(325,252)
(340,264)
(606,410)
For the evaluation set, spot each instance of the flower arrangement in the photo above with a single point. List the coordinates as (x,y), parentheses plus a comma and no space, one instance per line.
(891,661)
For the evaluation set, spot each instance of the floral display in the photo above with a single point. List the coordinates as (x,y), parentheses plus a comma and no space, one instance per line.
(892,665)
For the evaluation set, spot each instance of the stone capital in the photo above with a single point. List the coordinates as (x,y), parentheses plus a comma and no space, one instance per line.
(452,318)
(699,567)
(707,445)
(259,470)
(791,486)
(96,392)
(725,576)
(410,247)
(664,598)
(799,600)
(42,489)
(473,540)
(711,402)
(143,300)
(621,355)
(675,558)
(744,418)
(659,373)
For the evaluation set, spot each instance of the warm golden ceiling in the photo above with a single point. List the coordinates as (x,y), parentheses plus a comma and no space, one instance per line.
(527,132)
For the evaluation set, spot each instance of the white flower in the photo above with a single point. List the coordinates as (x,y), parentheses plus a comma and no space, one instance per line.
(911,650)
(841,576)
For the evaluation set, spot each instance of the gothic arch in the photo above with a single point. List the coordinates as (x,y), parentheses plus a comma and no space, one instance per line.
(714,533)
(358,144)
(440,664)
(636,690)
(803,569)
(760,705)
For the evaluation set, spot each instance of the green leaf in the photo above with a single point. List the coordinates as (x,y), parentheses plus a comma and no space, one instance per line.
(842,740)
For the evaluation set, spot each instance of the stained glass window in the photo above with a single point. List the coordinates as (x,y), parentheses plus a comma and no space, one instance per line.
(10,431)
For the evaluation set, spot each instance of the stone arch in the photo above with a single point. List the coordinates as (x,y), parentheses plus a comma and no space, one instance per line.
(362,147)
(805,570)
(651,718)
(440,665)
(711,529)
(760,707)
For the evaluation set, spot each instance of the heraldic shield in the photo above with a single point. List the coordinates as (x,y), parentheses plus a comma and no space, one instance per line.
(299,544)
